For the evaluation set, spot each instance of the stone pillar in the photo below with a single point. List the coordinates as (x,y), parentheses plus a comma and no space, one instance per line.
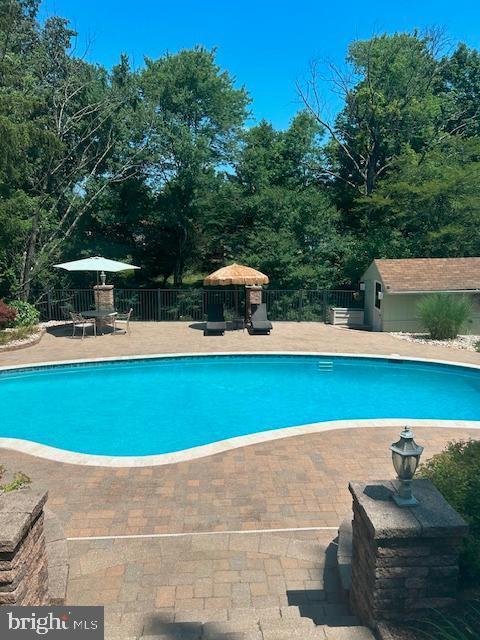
(104,302)
(23,555)
(253,295)
(104,297)
(403,559)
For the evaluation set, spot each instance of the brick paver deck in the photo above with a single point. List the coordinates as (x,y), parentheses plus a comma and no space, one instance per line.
(176,337)
(292,482)
(198,578)
(289,483)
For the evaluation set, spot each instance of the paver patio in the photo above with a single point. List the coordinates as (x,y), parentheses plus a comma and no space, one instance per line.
(179,337)
(200,578)
(290,483)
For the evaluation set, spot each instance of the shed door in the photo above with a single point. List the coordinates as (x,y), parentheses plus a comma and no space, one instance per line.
(377,306)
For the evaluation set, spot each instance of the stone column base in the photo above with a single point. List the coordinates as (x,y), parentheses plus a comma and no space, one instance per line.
(23,555)
(403,559)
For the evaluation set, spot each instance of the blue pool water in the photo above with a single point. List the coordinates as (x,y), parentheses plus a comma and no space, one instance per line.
(142,407)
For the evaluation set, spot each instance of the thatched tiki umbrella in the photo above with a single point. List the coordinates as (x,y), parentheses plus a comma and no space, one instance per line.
(235,275)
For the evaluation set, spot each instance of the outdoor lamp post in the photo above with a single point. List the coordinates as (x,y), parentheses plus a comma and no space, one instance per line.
(405,456)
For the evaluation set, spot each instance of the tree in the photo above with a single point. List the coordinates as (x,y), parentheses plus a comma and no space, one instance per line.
(62,118)
(280,220)
(390,100)
(461,76)
(198,115)
(429,205)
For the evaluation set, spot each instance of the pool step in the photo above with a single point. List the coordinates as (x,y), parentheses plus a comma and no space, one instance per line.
(324,366)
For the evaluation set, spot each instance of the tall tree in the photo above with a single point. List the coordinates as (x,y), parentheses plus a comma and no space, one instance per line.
(390,100)
(280,219)
(429,205)
(198,116)
(62,116)
(461,78)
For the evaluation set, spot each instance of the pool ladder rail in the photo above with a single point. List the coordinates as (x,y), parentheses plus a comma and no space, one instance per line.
(325,366)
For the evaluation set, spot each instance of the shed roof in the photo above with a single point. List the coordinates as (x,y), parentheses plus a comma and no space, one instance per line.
(430,274)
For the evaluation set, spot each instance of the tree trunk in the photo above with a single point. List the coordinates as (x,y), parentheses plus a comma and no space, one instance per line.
(371,169)
(180,258)
(178,273)
(29,259)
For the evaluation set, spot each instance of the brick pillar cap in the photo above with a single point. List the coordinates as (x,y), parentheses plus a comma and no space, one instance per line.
(433,517)
(18,509)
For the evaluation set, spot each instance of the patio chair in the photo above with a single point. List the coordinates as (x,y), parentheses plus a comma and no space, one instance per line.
(259,322)
(122,319)
(79,322)
(215,320)
(65,312)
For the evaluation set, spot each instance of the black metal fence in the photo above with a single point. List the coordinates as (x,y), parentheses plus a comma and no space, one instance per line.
(190,305)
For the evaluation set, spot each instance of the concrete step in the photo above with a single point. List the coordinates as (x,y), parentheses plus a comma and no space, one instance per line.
(291,630)
(344,556)
(214,630)
(348,633)
(273,623)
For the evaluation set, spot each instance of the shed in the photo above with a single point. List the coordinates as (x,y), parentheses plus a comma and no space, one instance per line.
(393,289)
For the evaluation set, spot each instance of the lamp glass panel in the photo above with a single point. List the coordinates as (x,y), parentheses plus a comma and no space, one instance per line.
(405,466)
(397,462)
(410,465)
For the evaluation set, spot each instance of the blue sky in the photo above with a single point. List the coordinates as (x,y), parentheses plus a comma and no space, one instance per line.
(266,45)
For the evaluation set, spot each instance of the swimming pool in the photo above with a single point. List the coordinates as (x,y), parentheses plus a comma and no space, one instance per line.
(141,407)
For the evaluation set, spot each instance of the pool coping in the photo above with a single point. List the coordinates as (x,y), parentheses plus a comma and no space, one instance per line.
(72,457)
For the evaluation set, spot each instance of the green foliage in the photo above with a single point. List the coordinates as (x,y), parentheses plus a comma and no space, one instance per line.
(393,104)
(27,314)
(461,74)
(277,217)
(7,314)
(429,205)
(461,624)
(19,481)
(197,118)
(63,122)
(158,165)
(455,474)
(444,314)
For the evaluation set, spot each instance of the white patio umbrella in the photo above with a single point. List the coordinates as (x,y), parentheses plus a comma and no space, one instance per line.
(98,264)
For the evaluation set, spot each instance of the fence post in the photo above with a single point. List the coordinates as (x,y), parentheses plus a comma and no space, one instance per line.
(300,307)
(49,304)
(325,305)
(159,304)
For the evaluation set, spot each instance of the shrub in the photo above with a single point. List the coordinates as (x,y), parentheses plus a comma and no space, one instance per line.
(443,314)
(455,473)
(461,623)
(7,314)
(27,314)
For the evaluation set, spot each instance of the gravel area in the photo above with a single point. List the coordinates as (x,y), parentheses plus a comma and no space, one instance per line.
(55,323)
(32,339)
(467,342)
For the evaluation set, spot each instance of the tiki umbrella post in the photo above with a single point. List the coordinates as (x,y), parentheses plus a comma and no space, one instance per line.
(238,275)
